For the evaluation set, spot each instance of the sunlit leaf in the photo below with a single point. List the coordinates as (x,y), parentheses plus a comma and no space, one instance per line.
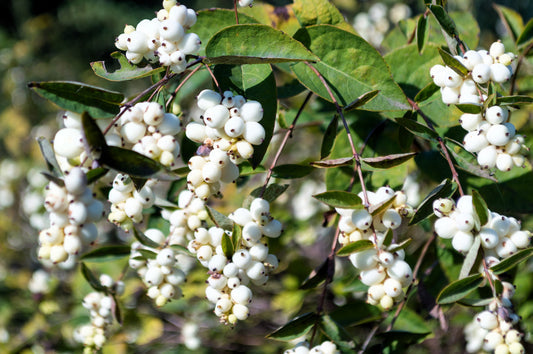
(49,156)
(106,254)
(144,240)
(355,247)
(295,328)
(220,219)
(343,161)
(389,160)
(126,70)
(79,97)
(480,207)
(512,261)
(238,44)
(444,190)
(453,63)
(91,278)
(470,258)
(129,162)
(458,289)
(340,199)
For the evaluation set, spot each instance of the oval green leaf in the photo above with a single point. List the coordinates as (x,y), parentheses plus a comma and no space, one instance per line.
(129,162)
(317,276)
(453,63)
(349,77)
(458,289)
(126,70)
(340,199)
(144,240)
(480,206)
(444,190)
(469,108)
(210,21)
(227,246)
(79,97)
(49,156)
(296,328)
(389,160)
(417,129)
(291,171)
(512,261)
(380,208)
(239,44)
(271,193)
(94,138)
(444,20)
(106,254)
(354,247)
(91,278)
(343,161)
(219,219)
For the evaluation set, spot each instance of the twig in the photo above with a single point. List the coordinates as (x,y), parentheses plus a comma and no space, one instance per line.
(347,128)
(288,134)
(173,95)
(518,64)
(455,175)
(214,79)
(236,12)
(369,338)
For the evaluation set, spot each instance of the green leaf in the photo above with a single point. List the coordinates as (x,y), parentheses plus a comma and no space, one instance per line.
(361,100)
(453,63)
(401,246)
(91,278)
(444,190)
(381,207)
(526,36)
(421,33)
(354,247)
(116,310)
(210,21)
(296,328)
(329,137)
(94,137)
(417,129)
(272,192)
(255,82)
(342,66)
(146,254)
(466,161)
(513,100)
(95,174)
(239,44)
(126,70)
(317,12)
(389,160)
(79,97)
(49,156)
(458,289)
(444,19)
(181,249)
(475,302)
(129,162)
(59,181)
(106,254)
(317,276)
(220,219)
(512,261)
(246,169)
(512,21)
(291,171)
(471,258)
(428,91)
(343,161)
(388,238)
(469,108)
(480,207)
(144,240)
(227,246)
(355,313)
(236,236)
(336,334)
(340,199)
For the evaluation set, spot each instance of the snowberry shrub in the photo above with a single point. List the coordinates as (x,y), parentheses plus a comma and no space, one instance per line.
(193,188)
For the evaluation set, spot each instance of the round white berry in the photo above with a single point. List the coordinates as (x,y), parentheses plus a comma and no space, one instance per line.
(481,73)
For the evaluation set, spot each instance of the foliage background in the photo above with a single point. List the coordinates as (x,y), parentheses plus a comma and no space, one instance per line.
(55,40)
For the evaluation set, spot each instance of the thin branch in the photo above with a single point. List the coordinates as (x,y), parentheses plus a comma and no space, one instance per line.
(173,95)
(347,128)
(236,12)
(288,134)
(214,79)
(369,338)
(455,175)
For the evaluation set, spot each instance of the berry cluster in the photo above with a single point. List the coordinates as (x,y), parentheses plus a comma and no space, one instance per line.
(494,65)
(161,274)
(492,329)
(229,130)
(127,203)
(186,219)
(494,139)
(383,267)
(500,237)
(326,347)
(148,130)
(162,39)
(72,213)
(251,262)
(374,24)
(101,309)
